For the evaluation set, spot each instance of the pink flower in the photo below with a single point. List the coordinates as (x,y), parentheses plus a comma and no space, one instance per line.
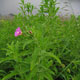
(18,32)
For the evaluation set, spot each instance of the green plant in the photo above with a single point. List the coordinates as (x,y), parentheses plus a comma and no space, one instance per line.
(33,60)
(48,48)
(26,8)
(49,7)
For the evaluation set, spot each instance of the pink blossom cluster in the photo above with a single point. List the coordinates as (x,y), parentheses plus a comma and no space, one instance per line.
(18,32)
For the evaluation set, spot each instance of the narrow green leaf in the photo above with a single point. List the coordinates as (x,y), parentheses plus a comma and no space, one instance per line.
(48,76)
(9,75)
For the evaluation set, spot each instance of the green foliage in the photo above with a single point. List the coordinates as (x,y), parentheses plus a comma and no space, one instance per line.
(48,49)
(49,7)
(26,8)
